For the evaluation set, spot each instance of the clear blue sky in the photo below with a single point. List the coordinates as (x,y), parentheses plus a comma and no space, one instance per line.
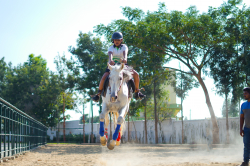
(45,27)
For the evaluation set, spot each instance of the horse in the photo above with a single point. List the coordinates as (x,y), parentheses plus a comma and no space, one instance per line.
(116,101)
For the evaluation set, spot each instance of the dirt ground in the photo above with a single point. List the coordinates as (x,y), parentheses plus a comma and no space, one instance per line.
(130,155)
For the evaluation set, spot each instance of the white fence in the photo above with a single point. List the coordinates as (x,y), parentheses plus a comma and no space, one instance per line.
(169,131)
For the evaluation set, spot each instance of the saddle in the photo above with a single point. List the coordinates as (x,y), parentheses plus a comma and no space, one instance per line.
(130,83)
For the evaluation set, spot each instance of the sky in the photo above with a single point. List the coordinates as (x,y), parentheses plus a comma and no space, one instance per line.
(48,28)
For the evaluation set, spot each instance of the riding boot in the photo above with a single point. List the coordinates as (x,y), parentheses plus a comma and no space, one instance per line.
(139,95)
(97,96)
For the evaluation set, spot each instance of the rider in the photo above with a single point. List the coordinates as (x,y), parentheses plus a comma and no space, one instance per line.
(117,52)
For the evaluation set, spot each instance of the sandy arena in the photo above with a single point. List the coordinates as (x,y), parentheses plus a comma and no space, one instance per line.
(130,155)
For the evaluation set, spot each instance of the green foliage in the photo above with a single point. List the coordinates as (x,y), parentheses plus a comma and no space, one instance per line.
(183,83)
(3,70)
(90,55)
(87,119)
(32,88)
(163,100)
(230,61)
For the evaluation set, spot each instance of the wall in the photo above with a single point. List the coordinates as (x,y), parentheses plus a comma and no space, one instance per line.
(195,131)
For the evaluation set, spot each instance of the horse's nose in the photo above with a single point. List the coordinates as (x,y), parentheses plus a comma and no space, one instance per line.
(113,99)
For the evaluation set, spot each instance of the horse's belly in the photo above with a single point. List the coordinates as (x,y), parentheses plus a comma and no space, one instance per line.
(114,107)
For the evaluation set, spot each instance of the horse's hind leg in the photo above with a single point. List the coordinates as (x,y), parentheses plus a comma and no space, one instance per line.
(106,125)
(120,120)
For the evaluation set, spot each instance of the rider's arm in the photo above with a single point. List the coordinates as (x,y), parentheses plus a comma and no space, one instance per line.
(111,62)
(125,54)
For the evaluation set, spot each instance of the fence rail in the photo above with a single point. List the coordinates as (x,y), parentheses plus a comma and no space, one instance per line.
(19,131)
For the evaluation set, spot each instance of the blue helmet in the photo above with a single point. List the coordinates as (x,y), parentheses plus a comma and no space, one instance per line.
(117,35)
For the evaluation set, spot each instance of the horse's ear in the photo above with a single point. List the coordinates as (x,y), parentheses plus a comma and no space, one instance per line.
(122,66)
(109,66)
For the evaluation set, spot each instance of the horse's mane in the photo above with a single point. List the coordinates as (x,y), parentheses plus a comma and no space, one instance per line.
(127,72)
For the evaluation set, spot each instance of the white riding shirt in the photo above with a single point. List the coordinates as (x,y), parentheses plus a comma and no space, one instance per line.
(119,52)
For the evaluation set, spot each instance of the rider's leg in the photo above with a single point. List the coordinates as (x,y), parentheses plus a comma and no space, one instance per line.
(138,94)
(137,80)
(96,97)
(103,80)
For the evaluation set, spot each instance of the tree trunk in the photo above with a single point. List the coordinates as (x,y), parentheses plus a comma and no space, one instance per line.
(156,119)
(135,131)
(216,139)
(64,139)
(145,115)
(128,127)
(83,124)
(227,140)
(182,129)
(83,127)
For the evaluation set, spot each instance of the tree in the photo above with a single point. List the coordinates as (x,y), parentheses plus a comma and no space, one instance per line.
(232,108)
(22,82)
(3,70)
(66,86)
(164,111)
(90,55)
(32,88)
(224,73)
(182,84)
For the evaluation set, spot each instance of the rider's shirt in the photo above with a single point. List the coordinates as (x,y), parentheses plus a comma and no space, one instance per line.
(118,52)
(245,109)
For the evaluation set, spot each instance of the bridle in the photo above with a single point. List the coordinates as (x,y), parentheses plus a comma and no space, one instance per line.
(118,88)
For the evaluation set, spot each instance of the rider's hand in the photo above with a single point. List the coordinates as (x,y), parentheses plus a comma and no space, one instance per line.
(123,61)
(242,132)
(112,63)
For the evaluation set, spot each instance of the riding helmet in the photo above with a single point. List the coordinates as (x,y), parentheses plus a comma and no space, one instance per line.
(117,35)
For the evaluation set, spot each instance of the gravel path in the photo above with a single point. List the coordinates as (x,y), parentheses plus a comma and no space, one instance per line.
(129,155)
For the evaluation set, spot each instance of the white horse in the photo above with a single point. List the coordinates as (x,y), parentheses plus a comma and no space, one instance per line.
(116,101)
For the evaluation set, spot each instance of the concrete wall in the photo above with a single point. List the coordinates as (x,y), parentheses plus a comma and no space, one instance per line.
(169,131)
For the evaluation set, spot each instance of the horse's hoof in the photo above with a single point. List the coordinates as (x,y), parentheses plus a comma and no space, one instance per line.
(103,140)
(111,145)
(118,143)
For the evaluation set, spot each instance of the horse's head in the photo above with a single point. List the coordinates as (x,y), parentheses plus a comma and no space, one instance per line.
(115,80)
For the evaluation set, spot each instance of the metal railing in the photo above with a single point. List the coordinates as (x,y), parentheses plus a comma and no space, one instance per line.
(19,131)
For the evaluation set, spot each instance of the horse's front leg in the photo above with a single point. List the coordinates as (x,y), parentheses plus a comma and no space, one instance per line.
(103,138)
(120,120)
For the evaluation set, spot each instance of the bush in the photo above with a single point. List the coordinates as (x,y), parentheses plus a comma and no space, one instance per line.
(71,138)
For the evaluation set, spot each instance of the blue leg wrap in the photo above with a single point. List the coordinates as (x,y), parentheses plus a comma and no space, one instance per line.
(101,132)
(115,135)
